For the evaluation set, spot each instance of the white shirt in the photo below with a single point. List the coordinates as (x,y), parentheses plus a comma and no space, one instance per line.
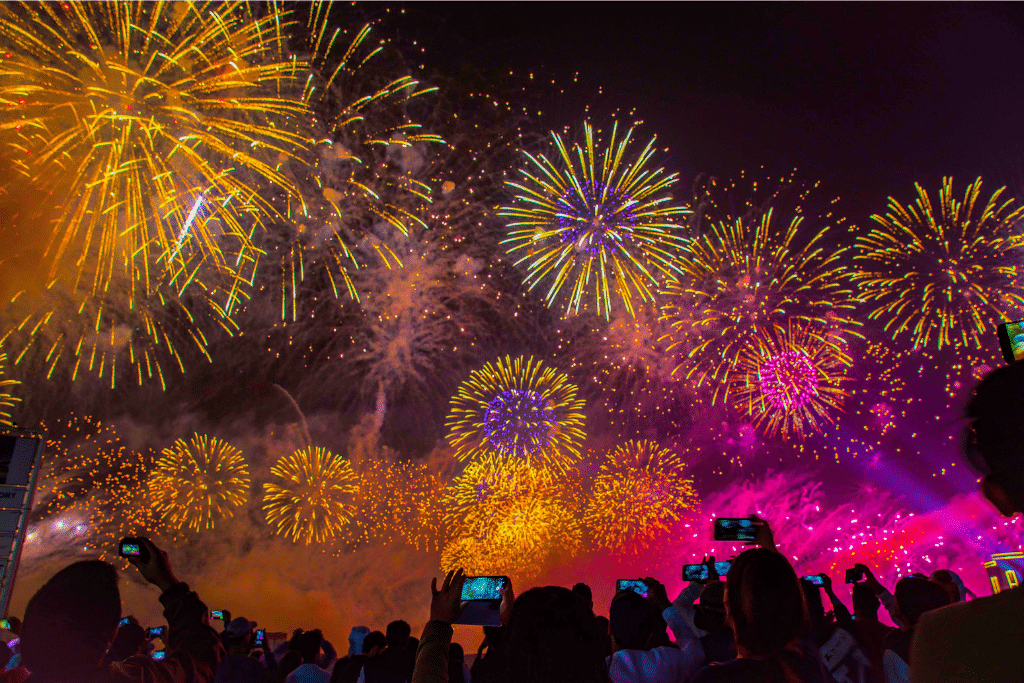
(658,665)
(309,673)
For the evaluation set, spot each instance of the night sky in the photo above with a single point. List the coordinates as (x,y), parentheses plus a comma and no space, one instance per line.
(866,97)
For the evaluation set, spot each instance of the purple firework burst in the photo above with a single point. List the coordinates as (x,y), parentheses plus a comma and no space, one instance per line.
(519,422)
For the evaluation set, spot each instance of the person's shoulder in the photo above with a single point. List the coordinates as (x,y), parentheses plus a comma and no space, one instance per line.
(992,611)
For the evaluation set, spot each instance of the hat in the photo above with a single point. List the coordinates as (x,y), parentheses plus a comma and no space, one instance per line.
(239,627)
(356,638)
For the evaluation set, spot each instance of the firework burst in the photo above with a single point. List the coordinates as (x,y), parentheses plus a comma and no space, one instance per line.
(789,379)
(517,409)
(641,491)
(946,274)
(314,500)
(197,482)
(7,400)
(760,263)
(364,169)
(91,477)
(152,131)
(596,222)
(511,517)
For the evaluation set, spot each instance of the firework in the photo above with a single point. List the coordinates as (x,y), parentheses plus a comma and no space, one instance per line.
(594,221)
(90,476)
(198,482)
(626,366)
(511,517)
(641,492)
(517,409)
(769,260)
(789,379)
(313,501)
(7,400)
(391,505)
(943,275)
(366,158)
(152,131)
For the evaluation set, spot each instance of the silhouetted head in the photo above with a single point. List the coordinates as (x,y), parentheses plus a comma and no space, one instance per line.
(308,645)
(633,621)
(72,619)
(765,602)
(586,595)
(865,602)
(129,641)
(552,637)
(994,441)
(374,643)
(915,596)
(398,634)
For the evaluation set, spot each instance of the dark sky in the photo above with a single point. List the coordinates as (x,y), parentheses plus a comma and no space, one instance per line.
(868,97)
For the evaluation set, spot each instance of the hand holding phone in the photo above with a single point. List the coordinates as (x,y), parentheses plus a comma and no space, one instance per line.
(814,579)
(736,529)
(133,548)
(481,600)
(1011,341)
(638,586)
(261,634)
(217,615)
(156,632)
(854,575)
(159,654)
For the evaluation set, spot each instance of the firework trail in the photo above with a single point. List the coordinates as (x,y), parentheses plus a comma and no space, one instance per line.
(7,400)
(596,222)
(789,380)
(512,518)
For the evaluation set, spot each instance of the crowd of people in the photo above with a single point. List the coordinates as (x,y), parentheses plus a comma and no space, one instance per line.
(761,623)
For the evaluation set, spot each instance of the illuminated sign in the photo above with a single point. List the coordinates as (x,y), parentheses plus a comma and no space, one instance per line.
(1005,570)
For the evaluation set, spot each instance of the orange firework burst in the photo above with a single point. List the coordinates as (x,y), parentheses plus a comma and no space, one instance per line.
(313,501)
(511,517)
(196,483)
(789,379)
(640,492)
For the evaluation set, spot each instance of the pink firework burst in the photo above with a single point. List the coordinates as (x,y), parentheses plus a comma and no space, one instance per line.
(790,378)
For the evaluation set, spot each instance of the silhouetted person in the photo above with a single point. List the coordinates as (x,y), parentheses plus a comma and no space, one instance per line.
(70,622)
(980,641)
(308,645)
(586,595)
(396,664)
(913,597)
(766,606)
(348,669)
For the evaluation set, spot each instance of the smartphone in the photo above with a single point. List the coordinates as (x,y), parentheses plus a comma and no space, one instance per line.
(133,547)
(156,632)
(636,585)
(814,579)
(1011,340)
(261,634)
(217,615)
(481,600)
(736,529)
(700,572)
(123,622)
(854,575)
(159,654)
